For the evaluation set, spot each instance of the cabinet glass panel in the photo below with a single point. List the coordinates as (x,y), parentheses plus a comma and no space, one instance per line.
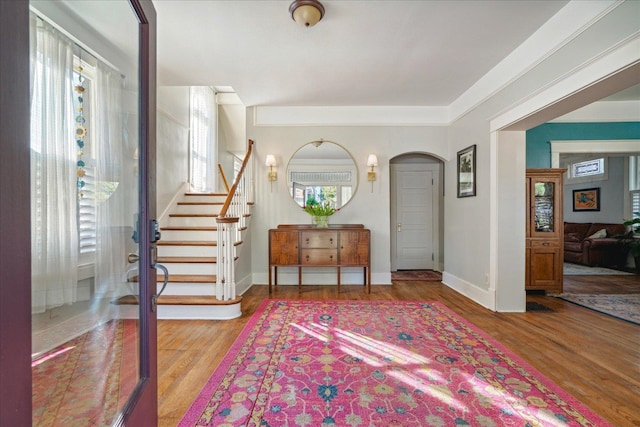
(543,206)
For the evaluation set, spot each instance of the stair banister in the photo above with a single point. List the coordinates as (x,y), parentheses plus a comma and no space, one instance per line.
(230,223)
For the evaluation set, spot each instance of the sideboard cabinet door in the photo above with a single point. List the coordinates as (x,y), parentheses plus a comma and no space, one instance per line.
(283,247)
(354,247)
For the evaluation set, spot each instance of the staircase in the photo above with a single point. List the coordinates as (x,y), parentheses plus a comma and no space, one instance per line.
(198,247)
(188,249)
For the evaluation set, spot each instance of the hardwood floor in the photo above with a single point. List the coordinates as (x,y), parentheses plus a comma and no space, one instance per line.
(594,357)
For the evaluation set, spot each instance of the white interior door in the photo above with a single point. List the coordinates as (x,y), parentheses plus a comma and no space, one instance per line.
(414,220)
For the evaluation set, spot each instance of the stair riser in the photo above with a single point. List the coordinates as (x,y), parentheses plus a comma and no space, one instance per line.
(192,221)
(205,199)
(198,209)
(190,235)
(190,251)
(189,289)
(190,268)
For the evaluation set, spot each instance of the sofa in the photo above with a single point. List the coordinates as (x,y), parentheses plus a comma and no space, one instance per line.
(593,244)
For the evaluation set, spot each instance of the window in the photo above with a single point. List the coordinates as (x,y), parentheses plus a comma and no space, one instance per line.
(202,138)
(634,186)
(635,204)
(584,168)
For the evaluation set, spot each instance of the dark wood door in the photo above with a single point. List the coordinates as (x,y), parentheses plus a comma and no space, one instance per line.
(15,245)
(142,407)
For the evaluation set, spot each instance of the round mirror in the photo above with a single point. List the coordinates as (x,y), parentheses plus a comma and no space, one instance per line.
(322,172)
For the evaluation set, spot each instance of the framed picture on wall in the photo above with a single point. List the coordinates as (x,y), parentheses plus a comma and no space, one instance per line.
(586,200)
(467,172)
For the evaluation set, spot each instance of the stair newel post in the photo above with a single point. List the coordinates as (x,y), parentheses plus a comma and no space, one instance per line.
(230,282)
(225,281)
(220,259)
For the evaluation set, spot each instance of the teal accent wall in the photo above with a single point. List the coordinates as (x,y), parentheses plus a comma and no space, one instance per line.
(539,148)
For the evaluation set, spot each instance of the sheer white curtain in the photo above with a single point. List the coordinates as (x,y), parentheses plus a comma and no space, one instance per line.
(114,187)
(54,233)
(202,138)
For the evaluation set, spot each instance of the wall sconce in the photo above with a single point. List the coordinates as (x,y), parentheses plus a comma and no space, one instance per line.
(271,162)
(372,162)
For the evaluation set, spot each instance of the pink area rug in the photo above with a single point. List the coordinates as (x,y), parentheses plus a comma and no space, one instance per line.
(375,363)
(86,381)
(417,275)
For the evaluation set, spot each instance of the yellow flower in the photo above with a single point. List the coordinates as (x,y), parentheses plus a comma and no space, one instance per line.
(383,389)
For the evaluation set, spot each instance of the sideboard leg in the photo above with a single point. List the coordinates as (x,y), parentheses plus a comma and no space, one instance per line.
(299,278)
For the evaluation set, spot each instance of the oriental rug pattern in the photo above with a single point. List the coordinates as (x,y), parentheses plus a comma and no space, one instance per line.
(375,363)
(622,306)
(87,380)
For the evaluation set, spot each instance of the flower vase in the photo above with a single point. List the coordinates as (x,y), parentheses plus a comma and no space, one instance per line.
(321,221)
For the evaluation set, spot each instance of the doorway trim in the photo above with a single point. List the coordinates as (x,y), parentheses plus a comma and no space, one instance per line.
(621,146)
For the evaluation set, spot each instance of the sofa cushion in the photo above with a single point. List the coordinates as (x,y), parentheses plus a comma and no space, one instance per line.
(573,246)
(600,234)
(577,230)
(612,229)
(572,237)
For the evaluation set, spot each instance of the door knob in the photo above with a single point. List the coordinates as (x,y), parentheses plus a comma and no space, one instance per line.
(133,258)
(399,227)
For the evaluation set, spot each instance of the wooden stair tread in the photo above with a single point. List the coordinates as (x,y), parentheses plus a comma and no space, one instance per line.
(183,278)
(188,259)
(189,228)
(200,203)
(179,300)
(190,278)
(190,193)
(186,243)
(195,215)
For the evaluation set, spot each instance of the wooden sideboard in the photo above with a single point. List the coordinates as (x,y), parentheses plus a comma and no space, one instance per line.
(339,245)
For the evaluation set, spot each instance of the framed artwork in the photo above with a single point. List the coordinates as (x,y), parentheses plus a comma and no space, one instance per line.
(467,172)
(586,200)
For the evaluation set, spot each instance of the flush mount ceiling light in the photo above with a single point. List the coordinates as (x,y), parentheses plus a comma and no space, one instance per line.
(306,12)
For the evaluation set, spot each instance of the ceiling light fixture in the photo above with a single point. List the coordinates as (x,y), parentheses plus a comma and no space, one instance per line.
(306,13)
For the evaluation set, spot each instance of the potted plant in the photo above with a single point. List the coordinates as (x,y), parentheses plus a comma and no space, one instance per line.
(631,239)
(320,213)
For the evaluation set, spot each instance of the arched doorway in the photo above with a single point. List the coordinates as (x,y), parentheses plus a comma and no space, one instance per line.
(417,232)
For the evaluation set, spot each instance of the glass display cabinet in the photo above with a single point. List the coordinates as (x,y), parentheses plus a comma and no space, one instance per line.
(544,233)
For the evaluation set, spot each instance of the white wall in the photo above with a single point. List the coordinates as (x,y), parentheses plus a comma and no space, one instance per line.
(274,205)
(172,141)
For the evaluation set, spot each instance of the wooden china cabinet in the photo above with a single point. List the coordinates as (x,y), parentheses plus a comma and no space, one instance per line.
(545,235)
(300,245)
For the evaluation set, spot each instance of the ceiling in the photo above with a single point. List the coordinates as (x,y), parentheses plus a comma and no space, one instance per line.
(362,53)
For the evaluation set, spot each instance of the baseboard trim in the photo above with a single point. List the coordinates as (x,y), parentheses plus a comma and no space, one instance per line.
(484,297)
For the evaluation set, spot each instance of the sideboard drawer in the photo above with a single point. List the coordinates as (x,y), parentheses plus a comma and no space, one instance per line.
(326,239)
(319,257)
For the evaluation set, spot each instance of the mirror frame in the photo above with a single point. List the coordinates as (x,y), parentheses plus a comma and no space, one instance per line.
(354,165)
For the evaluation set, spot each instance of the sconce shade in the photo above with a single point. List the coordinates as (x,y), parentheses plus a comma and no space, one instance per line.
(372,160)
(306,13)
(271,162)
